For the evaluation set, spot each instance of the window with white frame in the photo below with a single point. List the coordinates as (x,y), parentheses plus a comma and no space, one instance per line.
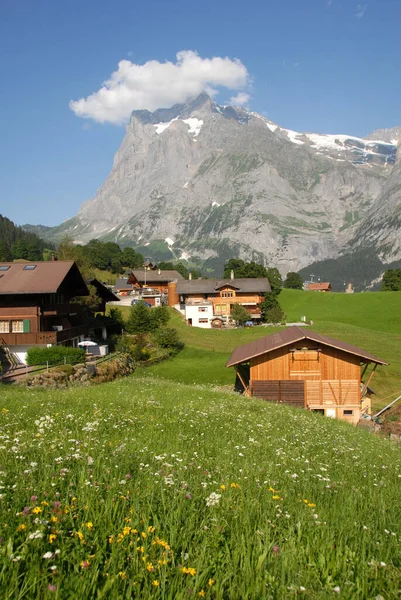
(203,320)
(202,309)
(4,327)
(17,326)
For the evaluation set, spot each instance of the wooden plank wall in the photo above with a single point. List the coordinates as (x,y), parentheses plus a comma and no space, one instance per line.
(280,392)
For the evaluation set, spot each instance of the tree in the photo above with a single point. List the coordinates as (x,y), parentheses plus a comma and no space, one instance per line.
(243,269)
(275,280)
(270,302)
(294,281)
(275,315)
(391,280)
(5,252)
(239,314)
(159,316)
(131,259)
(139,320)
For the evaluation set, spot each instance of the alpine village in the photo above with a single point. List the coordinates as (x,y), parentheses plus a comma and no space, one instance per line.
(200,369)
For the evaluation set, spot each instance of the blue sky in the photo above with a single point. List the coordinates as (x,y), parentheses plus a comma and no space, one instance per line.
(328,66)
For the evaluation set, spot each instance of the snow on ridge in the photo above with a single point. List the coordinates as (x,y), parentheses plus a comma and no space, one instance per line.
(194,124)
(293,136)
(337,142)
(169,241)
(184,255)
(215,204)
(160,127)
(272,126)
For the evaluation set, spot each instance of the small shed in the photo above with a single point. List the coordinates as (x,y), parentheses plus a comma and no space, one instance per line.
(320,286)
(308,370)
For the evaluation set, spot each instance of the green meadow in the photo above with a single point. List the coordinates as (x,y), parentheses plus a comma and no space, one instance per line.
(146,488)
(371,321)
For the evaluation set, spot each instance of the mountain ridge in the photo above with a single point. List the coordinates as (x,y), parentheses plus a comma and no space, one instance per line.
(201,181)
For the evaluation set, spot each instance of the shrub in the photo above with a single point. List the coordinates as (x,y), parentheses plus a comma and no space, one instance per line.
(167,337)
(159,316)
(126,343)
(55,355)
(275,315)
(139,320)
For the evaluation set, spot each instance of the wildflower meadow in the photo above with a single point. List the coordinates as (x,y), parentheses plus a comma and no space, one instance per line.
(147,489)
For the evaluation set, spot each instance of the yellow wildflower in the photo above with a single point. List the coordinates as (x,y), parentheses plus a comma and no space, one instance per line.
(162,562)
(44,503)
(150,567)
(4,410)
(211,582)
(276,497)
(306,501)
(37,510)
(73,499)
(222,487)
(151,529)
(311,505)
(234,485)
(80,535)
(21,527)
(122,574)
(155,583)
(89,525)
(54,519)
(202,593)
(140,549)
(111,539)
(127,530)
(143,534)
(128,520)
(52,537)
(189,571)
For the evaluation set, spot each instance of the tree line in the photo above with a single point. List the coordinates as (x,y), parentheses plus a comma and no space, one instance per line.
(16,243)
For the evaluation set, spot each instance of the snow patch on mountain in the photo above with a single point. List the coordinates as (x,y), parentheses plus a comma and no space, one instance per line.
(169,241)
(194,124)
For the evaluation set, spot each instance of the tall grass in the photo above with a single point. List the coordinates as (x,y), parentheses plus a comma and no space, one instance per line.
(159,490)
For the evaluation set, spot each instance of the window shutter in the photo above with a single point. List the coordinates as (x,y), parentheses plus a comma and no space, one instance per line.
(27,325)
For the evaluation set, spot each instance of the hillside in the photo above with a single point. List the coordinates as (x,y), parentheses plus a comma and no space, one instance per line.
(16,243)
(160,490)
(371,321)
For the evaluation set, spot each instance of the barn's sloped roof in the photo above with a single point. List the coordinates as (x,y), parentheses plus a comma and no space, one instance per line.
(42,277)
(325,285)
(208,286)
(290,336)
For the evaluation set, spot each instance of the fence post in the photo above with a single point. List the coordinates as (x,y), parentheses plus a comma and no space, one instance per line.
(47,366)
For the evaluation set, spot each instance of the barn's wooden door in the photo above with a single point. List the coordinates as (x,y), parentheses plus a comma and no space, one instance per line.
(305,365)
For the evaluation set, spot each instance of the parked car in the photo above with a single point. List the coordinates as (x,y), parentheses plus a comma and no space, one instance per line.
(137,300)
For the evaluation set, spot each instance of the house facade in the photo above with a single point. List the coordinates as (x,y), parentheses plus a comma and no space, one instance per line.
(36,307)
(307,370)
(155,279)
(212,299)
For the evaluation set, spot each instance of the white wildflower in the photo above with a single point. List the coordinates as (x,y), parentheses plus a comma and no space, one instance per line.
(213,499)
(48,555)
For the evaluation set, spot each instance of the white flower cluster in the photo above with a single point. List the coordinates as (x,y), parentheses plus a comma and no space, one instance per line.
(213,499)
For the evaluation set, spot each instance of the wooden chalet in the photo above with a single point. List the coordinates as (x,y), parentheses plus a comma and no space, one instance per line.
(36,307)
(320,286)
(215,297)
(308,370)
(155,279)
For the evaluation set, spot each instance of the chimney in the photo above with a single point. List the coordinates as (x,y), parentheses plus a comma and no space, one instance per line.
(232,275)
(159,272)
(190,276)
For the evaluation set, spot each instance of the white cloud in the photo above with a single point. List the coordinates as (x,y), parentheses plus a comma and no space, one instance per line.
(159,85)
(360,10)
(240,99)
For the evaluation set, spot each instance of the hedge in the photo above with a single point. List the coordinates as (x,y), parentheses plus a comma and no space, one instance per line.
(55,355)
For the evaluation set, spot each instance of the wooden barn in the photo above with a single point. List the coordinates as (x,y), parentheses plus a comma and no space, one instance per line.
(308,370)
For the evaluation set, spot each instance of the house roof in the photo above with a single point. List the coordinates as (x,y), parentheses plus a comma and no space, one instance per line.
(155,276)
(322,285)
(102,291)
(204,286)
(291,335)
(122,284)
(44,277)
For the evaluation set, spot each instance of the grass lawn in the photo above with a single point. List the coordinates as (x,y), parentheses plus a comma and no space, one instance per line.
(371,321)
(153,489)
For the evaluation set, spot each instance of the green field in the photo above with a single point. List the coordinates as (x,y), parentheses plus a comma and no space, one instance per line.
(146,489)
(371,321)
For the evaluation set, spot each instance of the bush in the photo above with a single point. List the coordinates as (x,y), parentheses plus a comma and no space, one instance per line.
(159,316)
(139,320)
(275,315)
(55,355)
(167,337)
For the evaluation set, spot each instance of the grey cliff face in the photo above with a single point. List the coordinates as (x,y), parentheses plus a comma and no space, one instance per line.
(199,179)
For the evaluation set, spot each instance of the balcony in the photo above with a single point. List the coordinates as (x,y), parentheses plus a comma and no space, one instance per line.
(42,337)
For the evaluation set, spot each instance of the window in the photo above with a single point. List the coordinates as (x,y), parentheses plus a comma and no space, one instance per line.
(227,294)
(203,320)
(4,327)
(4,267)
(29,267)
(348,412)
(202,309)
(21,326)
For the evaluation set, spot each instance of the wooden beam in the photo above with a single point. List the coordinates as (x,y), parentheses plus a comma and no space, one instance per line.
(246,388)
(364,371)
(368,381)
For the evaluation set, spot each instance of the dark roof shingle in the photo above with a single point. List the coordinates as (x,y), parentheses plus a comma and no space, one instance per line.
(45,278)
